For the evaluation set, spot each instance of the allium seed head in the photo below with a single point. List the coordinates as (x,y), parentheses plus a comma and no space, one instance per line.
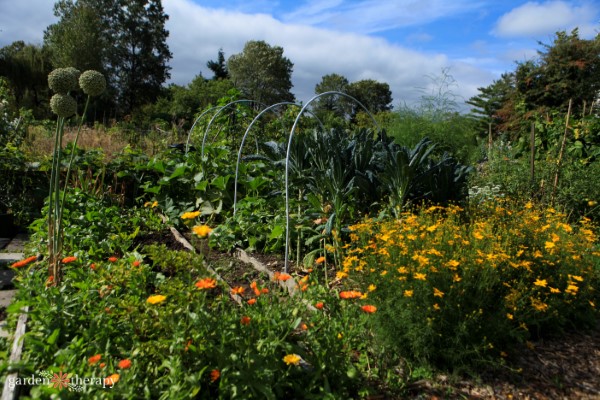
(63,80)
(92,83)
(63,105)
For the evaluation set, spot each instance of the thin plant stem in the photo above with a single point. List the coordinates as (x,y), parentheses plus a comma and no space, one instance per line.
(62,203)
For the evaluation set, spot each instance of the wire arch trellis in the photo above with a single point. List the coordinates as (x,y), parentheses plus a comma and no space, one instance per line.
(239,156)
(218,112)
(287,164)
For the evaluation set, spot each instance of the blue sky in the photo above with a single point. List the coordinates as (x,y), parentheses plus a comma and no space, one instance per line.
(405,43)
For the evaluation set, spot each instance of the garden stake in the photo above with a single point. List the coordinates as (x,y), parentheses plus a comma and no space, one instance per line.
(560,154)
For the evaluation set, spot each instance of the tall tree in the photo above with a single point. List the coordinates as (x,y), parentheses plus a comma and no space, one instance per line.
(332,105)
(140,56)
(569,68)
(27,67)
(77,40)
(262,73)
(489,105)
(219,67)
(126,37)
(375,96)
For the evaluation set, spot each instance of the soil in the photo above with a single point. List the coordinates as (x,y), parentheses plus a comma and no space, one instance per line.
(562,368)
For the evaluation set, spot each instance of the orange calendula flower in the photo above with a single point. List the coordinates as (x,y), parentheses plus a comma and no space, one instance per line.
(319,305)
(278,276)
(369,309)
(237,290)
(206,283)
(255,288)
(24,262)
(202,230)
(251,301)
(245,320)
(67,260)
(292,359)
(136,263)
(350,294)
(124,364)
(111,380)
(264,290)
(190,215)
(102,365)
(214,375)
(320,260)
(112,259)
(94,359)
(158,298)
(93,266)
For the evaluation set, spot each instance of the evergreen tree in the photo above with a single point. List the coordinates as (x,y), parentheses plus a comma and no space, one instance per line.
(262,73)
(219,67)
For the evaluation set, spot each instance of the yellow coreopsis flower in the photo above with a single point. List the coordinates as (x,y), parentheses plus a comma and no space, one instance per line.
(408,293)
(419,276)
(437,293)
(540,282)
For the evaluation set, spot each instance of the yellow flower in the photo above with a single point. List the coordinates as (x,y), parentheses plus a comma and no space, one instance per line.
(539,305)
(592,203)
(477,235)
(158,298)
(292,359)
(576,277)
(402,270)
(341,275)
(437,293)
(529,205)
(509,316)
(540,282)
(554,290)
(550,245)
(420,276)
(456,278)
(571,289)
(190,215)
(202,230)
(452,264)
(436,307)
(372,287)
(408,293)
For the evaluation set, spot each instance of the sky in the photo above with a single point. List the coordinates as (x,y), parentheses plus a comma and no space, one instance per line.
(419,47)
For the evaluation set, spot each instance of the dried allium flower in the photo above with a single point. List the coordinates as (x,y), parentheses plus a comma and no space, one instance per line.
(63,105)
(92,83)
(63,80)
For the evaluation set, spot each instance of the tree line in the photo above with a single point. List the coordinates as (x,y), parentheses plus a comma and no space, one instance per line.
(126,40)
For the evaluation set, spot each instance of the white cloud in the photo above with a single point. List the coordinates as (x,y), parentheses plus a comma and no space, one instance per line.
(197,33)
(25,20)
(370,16)
(535,19)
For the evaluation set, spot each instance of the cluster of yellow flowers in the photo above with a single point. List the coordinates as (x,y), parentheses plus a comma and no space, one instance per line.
(541,260)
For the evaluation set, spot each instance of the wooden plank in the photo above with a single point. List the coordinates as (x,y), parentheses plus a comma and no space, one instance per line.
(10,393)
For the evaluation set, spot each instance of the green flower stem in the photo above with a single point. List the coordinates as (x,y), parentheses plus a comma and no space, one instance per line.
(62,204)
